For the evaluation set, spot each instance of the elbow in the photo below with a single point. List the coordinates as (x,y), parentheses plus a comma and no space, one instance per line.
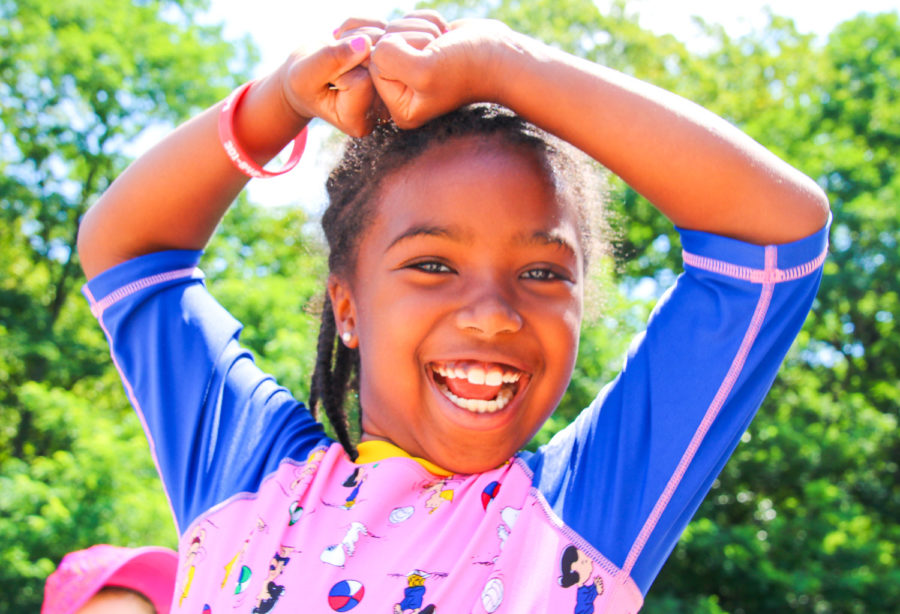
(820,208)
(808,213)
(85,245)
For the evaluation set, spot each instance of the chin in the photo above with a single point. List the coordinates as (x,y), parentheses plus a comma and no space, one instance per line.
(465,462)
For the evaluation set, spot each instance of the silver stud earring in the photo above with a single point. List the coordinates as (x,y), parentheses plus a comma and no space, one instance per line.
(346,337)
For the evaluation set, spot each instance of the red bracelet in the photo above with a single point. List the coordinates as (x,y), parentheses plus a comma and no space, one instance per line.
(236,153)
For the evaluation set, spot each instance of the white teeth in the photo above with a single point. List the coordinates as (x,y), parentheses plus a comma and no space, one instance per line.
(480,406)
(475,375)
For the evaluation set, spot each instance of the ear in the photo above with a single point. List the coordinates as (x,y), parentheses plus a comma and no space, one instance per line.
(344,309)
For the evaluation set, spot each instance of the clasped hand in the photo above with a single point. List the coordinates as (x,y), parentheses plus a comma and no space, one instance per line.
(411,70)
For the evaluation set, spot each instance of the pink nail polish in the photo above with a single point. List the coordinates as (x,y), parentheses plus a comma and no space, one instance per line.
(358,43)
(335,33)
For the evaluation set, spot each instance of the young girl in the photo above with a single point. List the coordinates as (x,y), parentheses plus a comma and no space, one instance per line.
(459,237)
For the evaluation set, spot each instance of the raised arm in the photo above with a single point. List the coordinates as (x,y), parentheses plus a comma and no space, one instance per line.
(695,167)
(174,195)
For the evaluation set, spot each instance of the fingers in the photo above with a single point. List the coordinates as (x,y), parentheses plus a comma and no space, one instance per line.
(429,15)
(358,23)
(355,103)
(398,74)
(311,77)
(414,24)
(398,54)
(342,56)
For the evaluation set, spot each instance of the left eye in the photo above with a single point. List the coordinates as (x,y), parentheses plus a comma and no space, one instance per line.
(430,266)
(542,275)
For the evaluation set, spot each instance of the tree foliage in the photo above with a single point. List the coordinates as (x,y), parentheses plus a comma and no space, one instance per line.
(79,82)
(804,517)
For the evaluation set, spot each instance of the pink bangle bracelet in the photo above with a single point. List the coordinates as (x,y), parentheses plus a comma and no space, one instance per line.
(236,153)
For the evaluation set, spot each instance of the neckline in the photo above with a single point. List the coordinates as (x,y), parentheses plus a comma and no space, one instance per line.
(374,450)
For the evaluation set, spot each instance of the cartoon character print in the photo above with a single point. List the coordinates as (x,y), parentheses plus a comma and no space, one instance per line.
(354,482)
(508,517)
(337,554)
(437,494)
(309,468)
(238,559)
(414,593)
(195,554)
(271,592)
(577,568)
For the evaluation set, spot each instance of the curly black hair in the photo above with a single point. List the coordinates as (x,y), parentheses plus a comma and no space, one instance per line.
(353,189)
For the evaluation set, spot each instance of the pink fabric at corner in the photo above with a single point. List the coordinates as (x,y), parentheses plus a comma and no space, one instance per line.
(149,570)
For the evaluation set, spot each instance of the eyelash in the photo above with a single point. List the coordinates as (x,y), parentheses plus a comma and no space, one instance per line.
(430,266)
(546,275)
(439,268)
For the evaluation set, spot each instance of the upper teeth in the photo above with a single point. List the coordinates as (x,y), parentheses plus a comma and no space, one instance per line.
(480,406)
(475,374)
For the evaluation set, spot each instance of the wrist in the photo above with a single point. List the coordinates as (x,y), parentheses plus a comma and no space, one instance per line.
(513,55)
(250,164)
(263,122)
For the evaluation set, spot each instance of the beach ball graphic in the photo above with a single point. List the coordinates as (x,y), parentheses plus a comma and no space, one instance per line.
(296,510)
(490,491)
(243,580)
(401,514)
(345,595)
(492,595)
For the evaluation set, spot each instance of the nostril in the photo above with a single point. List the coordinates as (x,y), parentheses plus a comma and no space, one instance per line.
(489,316)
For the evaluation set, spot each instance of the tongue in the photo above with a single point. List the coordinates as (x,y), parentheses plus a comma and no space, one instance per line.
(463,388)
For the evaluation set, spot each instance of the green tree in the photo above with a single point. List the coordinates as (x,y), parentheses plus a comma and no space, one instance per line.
(79,82)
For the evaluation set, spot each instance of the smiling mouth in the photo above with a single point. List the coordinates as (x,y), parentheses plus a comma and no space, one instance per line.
(479,387)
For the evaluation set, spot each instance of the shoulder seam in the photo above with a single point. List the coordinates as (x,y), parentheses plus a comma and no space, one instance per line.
(751,274)
(98,307)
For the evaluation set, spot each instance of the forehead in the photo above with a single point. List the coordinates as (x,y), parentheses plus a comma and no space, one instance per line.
(466,186)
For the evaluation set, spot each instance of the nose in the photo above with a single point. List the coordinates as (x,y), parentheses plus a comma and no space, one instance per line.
(486,311)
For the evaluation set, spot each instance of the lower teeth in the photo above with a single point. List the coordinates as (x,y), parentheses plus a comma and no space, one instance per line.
(480,406)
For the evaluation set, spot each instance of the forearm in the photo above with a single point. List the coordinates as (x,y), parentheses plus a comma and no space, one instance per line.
(696,168)
(174,195)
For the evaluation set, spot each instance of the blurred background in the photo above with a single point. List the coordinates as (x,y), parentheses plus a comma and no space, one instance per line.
(805,517)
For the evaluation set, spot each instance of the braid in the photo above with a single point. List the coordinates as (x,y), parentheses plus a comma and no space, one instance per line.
(353,189)
(331,377)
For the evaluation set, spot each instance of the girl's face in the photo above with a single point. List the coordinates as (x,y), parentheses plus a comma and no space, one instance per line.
(466,303)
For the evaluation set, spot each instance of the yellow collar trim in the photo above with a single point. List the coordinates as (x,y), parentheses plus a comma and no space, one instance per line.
(375,450)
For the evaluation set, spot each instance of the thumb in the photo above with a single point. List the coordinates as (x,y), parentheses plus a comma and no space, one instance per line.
(396,59)
(337,58)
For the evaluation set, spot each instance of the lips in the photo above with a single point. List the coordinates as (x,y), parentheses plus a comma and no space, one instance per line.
(480,387)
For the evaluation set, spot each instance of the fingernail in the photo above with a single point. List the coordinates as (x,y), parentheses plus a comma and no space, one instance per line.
(358,43)
(335,33)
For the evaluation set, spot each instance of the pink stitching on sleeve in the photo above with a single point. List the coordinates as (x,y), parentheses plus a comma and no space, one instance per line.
(129,390)
(737,365)
(98,307)
(759,276)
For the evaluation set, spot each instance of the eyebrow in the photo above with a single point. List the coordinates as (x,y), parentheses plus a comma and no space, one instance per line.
(543,237)
(538,237)
(424,230)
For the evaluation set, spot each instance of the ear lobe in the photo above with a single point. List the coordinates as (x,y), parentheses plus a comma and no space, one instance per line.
(344,309)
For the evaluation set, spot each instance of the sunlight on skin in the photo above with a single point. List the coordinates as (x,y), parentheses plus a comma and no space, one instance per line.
(117,602)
